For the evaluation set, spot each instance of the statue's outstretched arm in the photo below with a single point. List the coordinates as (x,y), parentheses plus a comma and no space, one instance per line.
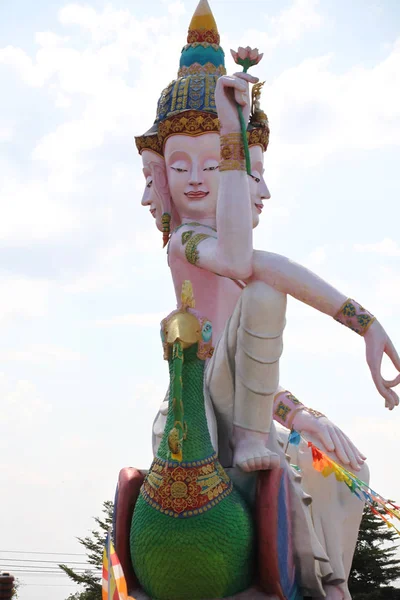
(301,283)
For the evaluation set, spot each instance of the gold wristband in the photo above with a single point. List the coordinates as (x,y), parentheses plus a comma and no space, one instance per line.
(232,153)
(286,406)
(314,413)
(355,317)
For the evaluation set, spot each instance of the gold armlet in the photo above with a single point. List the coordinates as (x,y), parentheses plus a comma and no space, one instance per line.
(191,251)
(232,153)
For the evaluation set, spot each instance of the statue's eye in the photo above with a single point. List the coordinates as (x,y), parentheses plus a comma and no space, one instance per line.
(149,184)
(211,168)
(179,169)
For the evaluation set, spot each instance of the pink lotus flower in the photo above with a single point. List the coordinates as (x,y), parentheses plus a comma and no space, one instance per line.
(246,57)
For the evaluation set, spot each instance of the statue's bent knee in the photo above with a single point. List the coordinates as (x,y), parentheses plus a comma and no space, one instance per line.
(264,309)
(259,347)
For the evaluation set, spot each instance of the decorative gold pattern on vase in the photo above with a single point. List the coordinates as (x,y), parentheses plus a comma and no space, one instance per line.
(186,489)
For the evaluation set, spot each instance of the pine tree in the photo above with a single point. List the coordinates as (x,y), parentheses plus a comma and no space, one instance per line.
(374,565)
(94,545)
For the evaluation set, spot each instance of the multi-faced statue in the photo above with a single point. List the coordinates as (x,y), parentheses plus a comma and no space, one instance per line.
(187,186)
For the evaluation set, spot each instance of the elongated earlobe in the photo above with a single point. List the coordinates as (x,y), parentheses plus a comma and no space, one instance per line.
(161,188)
(166,225)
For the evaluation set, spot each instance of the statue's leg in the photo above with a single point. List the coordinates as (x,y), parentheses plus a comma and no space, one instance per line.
(248,355)
(336,515)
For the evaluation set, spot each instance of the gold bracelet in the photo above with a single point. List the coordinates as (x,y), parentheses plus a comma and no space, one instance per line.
(286,408)
(355,317)
(314,413)
(232,153)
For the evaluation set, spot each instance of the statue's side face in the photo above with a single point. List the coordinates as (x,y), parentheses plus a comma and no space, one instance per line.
(193,176)
(258,188)
(150,197)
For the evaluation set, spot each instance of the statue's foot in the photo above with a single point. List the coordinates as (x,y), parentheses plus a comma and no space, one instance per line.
(250,451)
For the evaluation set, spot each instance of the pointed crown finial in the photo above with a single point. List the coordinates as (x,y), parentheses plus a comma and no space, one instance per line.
(202,54)
(203,27)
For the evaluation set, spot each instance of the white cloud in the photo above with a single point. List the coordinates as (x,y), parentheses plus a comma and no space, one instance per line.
(320,336)
(290,25)
(317,256)
(378,437)
(293,22)
(41,354)
(387,247)
(6,132)
(21,404)
(357,109)
(141,319)
(177,9)
(48,38)
(387,286)
(36,209)
(23,297)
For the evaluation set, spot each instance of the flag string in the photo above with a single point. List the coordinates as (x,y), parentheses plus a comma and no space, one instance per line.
(327,466)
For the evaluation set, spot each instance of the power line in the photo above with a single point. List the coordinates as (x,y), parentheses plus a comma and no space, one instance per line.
(39,560)
(47,569)
(50,553)
(49,584)
(54,572)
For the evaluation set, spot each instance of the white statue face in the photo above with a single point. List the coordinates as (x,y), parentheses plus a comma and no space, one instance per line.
(258,188)
(193,176)
(150,198)
(191,159)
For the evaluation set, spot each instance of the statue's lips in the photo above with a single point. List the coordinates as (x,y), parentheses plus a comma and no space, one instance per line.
(153,212)
(196,195)
(259,207)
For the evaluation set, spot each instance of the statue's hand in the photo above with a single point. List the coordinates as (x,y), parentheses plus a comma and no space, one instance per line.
(377,342)
(332,438)
(232,89)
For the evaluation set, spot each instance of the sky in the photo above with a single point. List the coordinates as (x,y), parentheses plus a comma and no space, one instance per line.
(84,282)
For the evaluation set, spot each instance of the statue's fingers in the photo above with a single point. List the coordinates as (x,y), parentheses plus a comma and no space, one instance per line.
(391,383)
(326,439)
(350,450)
(393,355)
(247,77)
(240,97)
(374,363)
(395,398)
(361,458)
(339,450)
(228,81)
(237,86)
